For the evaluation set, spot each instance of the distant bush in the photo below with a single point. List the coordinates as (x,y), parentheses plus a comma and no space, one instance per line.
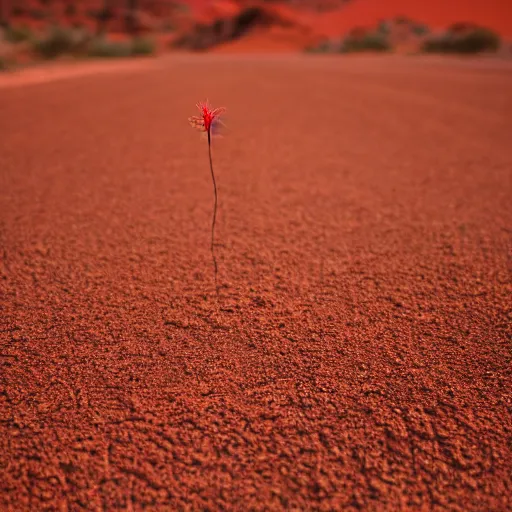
(438,44)
(373,42)
(384,28)
(247,19)
(143,46)
(103,48)
(356,42)
(60,41)
(219,28)
(473,40)
(18,34)
(203,36)
(325,46)
(420,29)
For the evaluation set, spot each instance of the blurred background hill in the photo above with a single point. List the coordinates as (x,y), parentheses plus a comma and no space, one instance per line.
(35,29)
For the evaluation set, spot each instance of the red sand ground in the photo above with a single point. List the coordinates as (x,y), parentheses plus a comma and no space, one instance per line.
(361,354)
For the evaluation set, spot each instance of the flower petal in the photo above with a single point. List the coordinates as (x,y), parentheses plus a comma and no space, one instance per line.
(197,123)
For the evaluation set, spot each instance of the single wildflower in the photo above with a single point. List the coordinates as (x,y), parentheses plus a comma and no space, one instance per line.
(209,120)
(208,123)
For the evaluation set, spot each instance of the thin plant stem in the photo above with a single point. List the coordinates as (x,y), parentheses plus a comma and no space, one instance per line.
(212,247)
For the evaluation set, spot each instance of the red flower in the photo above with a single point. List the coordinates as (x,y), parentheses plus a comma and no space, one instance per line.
(209,117)
(207,123)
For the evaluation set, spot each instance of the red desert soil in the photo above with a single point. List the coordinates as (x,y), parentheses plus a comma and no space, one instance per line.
(60,71)
(360,357)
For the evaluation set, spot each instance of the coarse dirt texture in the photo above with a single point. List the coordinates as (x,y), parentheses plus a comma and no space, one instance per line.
(360,356)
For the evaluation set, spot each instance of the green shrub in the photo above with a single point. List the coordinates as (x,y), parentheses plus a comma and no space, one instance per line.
(376,42)
(103,48)
(384,28)
(60,41)
(18,34)
(478,40)
(323,47)
(370,42)
(420,29)
(143,46)
(475,40)
(437,44)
